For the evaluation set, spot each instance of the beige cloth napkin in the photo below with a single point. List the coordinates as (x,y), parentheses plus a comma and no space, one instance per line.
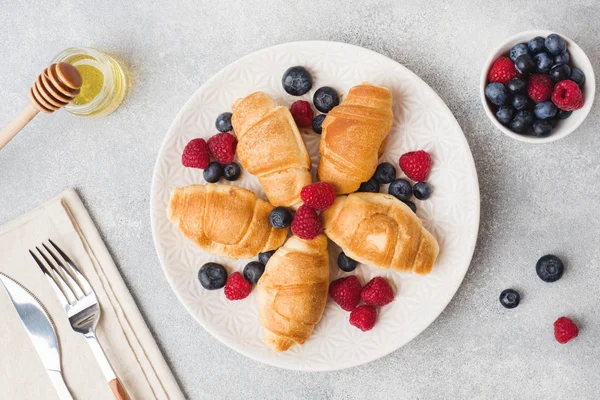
(122,331)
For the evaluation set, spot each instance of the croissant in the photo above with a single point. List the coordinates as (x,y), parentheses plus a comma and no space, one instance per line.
(292,291)
(224,220)
(271,148)
(379,230)
(354,136)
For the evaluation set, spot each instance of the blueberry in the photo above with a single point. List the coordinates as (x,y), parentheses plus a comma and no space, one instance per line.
(385,173)
(560,72)
(280,217)
(510,298)
(553,122)
(555,44)
(422,190)
(297,81)
(517,51)
(562,58)
(345,263)
(505,114)
(212,276)
(520,101)
(400,189)
(369,186)
(253,271)
(497,93)
(223,122)
(522,121)
(545,110)
(232,171)
(541,128)
(577,76)
(536,44)
(325,99)
(517,85)
(213,172)
(544,62)
(412,205)
(525,64)
(562,114)
(263,258)
(549,268)
(317,122)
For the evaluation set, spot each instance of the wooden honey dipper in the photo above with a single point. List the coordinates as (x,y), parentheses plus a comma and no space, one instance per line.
(54,88)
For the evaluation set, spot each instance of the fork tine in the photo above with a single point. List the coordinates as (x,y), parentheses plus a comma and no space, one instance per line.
(83,282)
(59,293)
(67,281)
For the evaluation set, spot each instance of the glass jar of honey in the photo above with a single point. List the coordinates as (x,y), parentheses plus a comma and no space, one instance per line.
(104,82)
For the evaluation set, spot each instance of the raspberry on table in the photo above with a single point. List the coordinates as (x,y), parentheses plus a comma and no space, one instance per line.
(237,288)
(222,147)
(502,70)
(306,223)
(195,154)
(319,196)
(302,113)
(539,87)
(363,317)
(565,330)
(416,165)
(567,96)
(346,292)
(377,292)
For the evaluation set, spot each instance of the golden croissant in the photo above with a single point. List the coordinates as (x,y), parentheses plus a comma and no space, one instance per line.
(224,220)
(379,230)
(292,291)
(271,148)
(354,136)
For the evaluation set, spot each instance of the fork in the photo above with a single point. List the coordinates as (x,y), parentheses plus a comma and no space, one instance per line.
(80,302)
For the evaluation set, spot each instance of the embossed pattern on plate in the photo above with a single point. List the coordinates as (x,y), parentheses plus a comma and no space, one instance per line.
(421,121)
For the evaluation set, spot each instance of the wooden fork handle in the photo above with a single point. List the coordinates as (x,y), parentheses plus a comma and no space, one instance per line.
(15,126)
(118,389)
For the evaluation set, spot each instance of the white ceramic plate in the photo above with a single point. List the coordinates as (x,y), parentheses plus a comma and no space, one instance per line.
(421,121)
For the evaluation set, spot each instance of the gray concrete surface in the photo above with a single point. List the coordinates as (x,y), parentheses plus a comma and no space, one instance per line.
(535,198)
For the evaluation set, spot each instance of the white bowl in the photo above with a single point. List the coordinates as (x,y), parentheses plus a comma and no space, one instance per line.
(578,59)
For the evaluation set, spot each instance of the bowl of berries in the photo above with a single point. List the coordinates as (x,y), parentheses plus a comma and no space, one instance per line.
(537,86)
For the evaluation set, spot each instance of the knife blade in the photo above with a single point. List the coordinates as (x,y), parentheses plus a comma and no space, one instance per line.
(40,328)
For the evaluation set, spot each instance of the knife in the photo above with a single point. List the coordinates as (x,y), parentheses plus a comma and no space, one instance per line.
(40,329)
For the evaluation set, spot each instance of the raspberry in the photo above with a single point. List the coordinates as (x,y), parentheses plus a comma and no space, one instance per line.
(567,96)
(222,147)
(319,196)
(363,317)
(565,330)
(377,292)
(416,165)
(539,87)
(345,292)
(237,287)
(306,224)
(195,154)
(302,113)
(502,70)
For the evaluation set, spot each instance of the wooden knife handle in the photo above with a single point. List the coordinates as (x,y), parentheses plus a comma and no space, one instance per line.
(118,390)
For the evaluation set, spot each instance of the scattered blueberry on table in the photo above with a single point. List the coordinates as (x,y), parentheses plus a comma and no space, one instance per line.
(317,123)
(510,298)
(280,217)
(264,257)
(253,271)
(550,268)
(371,186)
(385,173)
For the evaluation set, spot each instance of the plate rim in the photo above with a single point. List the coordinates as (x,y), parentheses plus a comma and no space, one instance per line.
(302,366)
